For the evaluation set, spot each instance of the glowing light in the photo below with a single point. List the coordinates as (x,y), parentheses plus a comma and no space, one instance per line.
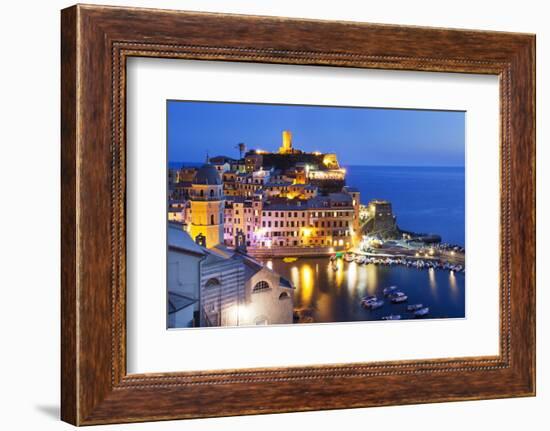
(339,273)
(306,284)
(242,313)
(269,264)
(306,232)
(261,152)
(452,281)
(352,276)
(295,276)
(431,276)
(371,278)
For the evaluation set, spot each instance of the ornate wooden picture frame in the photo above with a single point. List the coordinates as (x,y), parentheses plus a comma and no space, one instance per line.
(96,41)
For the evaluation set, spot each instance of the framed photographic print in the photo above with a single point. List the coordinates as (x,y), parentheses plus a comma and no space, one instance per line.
(259,204)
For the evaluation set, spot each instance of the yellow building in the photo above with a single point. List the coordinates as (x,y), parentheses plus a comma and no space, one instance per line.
(207,205)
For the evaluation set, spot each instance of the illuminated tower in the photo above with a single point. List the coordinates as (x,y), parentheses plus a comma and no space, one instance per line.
(207,205)
(286,148)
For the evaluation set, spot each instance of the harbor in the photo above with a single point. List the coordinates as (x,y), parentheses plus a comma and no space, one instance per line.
(336,291)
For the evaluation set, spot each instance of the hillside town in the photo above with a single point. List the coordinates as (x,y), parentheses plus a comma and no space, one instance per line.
(279,201)
(227,214)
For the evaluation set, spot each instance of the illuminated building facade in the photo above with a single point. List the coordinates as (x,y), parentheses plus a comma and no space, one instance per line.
(377,218)
(205,215)
(322,221)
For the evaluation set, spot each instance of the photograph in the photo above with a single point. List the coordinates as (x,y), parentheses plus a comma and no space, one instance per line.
(299,214)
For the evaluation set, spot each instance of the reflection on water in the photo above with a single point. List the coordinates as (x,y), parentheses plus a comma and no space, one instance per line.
(334,294)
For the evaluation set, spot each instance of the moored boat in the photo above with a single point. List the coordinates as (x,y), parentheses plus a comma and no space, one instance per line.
(414,307)
(422,312)
(372,302)
(398,297)
(392,317)
(389,290)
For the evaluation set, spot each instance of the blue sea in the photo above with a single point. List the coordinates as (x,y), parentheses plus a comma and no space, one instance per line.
(425,199)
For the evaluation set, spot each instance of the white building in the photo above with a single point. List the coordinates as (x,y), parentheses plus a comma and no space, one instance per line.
(219,286)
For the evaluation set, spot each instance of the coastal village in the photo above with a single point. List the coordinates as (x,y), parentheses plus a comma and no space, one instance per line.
(228,214)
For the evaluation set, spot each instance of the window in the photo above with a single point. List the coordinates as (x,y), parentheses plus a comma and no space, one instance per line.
(213,282)
(211,193)
(261,286)
(284,295)
(212,219)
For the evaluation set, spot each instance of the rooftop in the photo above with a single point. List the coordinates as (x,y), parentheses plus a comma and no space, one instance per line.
(180,240)
(207,175)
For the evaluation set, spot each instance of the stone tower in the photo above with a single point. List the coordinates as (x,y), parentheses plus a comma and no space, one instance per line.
(286,148)
(207,205)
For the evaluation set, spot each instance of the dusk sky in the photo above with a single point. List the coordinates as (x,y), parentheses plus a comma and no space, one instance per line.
(359,136)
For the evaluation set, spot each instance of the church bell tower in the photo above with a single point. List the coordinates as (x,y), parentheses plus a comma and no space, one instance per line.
(207,206)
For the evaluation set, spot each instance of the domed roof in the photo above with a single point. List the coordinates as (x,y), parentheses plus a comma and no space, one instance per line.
(207,175)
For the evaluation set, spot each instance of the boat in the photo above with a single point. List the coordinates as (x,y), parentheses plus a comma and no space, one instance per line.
(360,259)
(422,312)
(372,302)
(414,307)
(373,305)
(368,298)
(348,257)
(333,258)
(398,297)
(392,317)
(289,259)
(388,290)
